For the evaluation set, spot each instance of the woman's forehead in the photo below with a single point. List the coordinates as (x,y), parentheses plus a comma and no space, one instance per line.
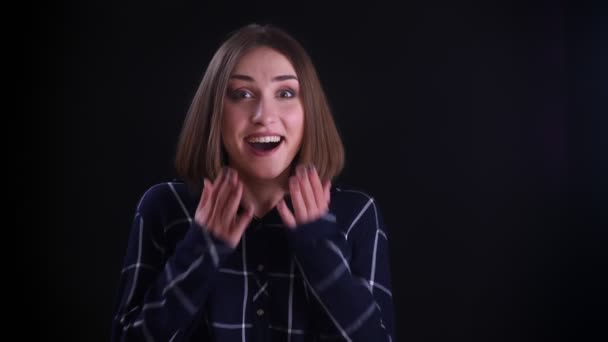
(263,63)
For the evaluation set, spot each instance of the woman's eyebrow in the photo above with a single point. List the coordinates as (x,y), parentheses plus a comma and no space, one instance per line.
(274,79)
(284,77)
(241,77)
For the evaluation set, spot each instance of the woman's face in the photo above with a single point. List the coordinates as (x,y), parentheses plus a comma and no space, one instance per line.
(263,121)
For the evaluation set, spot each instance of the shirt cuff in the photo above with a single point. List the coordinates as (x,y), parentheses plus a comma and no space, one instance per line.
(200,241)
(308,233)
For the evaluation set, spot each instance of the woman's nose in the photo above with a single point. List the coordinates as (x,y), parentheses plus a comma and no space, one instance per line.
(264,112)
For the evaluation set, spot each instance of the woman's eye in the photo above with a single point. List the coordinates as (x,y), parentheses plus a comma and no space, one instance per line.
(286,93)
(240,94)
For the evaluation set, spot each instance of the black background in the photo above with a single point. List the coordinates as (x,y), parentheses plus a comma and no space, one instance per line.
(479,127)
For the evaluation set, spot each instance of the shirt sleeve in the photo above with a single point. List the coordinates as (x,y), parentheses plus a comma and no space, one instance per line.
(348,274)
(159,295)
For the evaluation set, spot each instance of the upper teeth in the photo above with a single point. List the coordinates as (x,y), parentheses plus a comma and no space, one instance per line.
(268,139)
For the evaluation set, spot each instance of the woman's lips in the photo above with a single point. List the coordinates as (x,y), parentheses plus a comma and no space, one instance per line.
(264,153)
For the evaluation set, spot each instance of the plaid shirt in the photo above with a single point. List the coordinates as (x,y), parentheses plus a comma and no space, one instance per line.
(328,279)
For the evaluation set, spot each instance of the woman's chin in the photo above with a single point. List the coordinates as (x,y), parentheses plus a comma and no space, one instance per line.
(265,174)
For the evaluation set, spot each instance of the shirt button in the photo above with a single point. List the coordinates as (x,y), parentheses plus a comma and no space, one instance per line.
(260,312)
(260,268)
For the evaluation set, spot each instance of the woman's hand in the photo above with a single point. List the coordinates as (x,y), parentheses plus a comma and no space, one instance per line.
(217,208)
(310,199)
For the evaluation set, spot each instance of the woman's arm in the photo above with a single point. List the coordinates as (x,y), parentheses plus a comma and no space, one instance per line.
(160,295)
(348,275)
(346,270)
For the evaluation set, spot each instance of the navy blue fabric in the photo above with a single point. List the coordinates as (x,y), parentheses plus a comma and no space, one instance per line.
(325,280)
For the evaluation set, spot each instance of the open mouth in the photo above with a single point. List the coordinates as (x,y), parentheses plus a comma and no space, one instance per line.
(265,144)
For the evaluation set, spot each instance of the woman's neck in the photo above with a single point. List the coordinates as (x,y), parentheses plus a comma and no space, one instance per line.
(263,195)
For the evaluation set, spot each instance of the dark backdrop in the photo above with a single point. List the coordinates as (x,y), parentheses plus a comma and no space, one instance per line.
(479,127)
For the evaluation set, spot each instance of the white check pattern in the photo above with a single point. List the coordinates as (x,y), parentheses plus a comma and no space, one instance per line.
(326,280)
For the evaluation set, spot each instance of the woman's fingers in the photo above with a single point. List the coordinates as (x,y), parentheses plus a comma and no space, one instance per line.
(205,194)
(206,198)
(307,193)
(220,202)
(212,197)
(223,191)
(202,211)
(296,199)
(232,205)
(218,207)
(286,214)
(317,189)
(309,197)
(240,224)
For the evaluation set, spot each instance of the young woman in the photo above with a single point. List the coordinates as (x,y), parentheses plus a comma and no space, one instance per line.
(255,244)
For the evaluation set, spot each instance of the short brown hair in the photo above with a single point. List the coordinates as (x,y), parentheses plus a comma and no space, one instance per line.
(200,152)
